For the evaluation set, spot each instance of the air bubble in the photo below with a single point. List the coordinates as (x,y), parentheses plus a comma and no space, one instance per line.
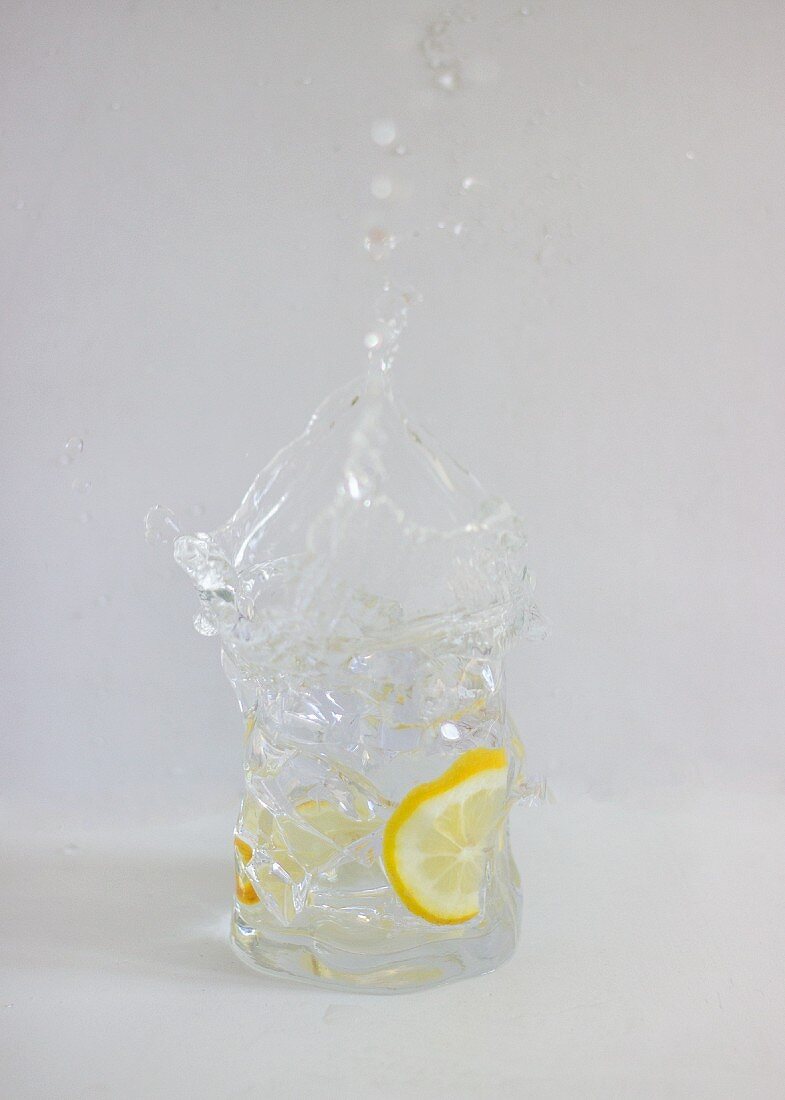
(383,132)
(381,187)
(468,183)
(81,486)
(372,340)
(160,526)
(450,732)
(690,155)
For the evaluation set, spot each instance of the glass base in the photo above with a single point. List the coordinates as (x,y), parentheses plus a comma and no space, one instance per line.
(442,958)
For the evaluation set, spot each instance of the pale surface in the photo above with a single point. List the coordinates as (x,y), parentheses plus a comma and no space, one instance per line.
(184,194)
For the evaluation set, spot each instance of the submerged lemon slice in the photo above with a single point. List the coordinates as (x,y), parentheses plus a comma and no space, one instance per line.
(436,842)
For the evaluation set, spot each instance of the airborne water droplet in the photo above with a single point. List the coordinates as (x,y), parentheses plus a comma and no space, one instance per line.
(81,485)
(379,243)
(381,187)
(160,526)
(383,132)
(204,623)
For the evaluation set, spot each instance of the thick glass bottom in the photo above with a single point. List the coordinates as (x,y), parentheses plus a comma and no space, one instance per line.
(370,968)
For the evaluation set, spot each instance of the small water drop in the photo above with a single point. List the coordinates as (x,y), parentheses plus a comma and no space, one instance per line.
(160,526)
(204,623)
(73,447)
(383,132)
(400,150)
(70,849)
(116,106)
(468,183)
(447,78)
(104,600)
(85,517)
(458,229)
(81,485)
(306,80)
(381,187)
(379,243)
(196,509)
(690,155)
(372,340)
(525,11)
(450,732)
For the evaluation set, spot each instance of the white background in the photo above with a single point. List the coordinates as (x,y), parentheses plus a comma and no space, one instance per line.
(185,190)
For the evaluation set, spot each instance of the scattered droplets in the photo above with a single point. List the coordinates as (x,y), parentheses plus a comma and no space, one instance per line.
(204,623)
(381,187)
(392,311)
(81,486)
(160,526)
(379,243)
(439,53)
(383,132)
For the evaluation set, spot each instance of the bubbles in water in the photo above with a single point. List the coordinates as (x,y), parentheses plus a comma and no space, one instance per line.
(379,243)
(81,486)
(381,187)
(383,132)
(160,526)
(204,623)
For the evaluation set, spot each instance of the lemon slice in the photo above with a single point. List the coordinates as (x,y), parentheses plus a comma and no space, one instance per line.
(437,840)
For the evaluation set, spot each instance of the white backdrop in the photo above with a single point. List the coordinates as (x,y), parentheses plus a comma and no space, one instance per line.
(185,192)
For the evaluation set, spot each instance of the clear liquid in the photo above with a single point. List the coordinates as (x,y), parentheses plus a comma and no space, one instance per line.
(325,768)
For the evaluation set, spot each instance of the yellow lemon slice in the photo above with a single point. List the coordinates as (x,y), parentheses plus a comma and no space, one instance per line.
(437,840)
